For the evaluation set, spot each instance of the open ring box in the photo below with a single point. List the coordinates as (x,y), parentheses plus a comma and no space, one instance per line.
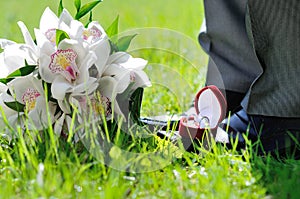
(210,105)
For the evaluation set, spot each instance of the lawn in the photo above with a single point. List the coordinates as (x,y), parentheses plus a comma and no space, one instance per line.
(139,167)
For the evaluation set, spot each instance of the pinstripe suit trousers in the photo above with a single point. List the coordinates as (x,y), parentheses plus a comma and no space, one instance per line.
(254,48)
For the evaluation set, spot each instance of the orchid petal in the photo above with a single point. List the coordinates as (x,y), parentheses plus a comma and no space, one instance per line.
(99,27)
(141,79)
(13,120)
(3,87)
(4,43)
(116,108)
(64,106)
(39,115)
(27,37)
(60,86)
(77,30)
(14,56)
(65,17)
(107,87)
(127,61)
(118,57)
(121,75)
(59,124)
(48,20)
(43,43)
(3,68)
(94,34)
(102,52)
(134,63)
(84,66)
(86,88)
(45,72)
(20,85)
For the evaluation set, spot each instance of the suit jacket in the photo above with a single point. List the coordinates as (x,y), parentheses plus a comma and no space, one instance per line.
(274,27)
(254,47)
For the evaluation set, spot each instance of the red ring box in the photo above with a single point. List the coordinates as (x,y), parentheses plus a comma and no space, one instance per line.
(210,104)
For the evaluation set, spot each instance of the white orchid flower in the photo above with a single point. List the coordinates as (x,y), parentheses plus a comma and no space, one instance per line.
(109,88)
(121,71)
(92,107)
(67,69)
(98,42)
(49,23)
(125,70)
(14,55)
(134,65)
(29,92)
(95,38)
(80,69)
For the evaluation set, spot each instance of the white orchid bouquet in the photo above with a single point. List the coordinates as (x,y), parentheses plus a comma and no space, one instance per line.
(67,67)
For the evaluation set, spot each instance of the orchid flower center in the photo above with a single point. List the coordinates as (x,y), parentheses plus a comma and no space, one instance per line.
(101,105)
(51,35)
(93,32)
(97,104)
(29,98)
(64,62)
(132,77)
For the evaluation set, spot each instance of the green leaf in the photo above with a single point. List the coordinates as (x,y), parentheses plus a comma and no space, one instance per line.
(26,70)
(90,20)
(91,17)
(113,29)
(61,35)
(86,9)
(124,42)
(113,47)
(5,80)
(60,7)
(77,4)
(17,106)
(135,104)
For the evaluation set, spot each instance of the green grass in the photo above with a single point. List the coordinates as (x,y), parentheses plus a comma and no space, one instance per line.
(45,168)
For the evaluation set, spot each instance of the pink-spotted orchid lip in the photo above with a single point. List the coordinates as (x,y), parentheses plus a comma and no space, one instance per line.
(64,62)
(29,98)
(51,35)
(94,33)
